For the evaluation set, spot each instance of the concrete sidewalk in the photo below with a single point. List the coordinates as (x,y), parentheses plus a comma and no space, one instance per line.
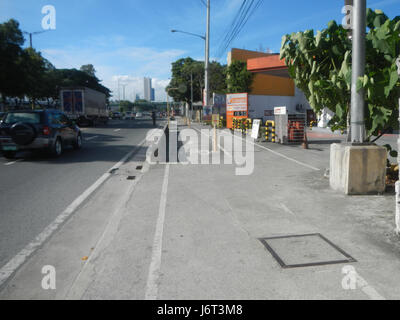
(192,232)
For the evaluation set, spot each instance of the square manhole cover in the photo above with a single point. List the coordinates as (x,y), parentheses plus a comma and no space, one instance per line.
(305,251)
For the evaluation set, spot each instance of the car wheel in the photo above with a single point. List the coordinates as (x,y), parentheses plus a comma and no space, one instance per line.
(9,154)
(78,142)
(57,148)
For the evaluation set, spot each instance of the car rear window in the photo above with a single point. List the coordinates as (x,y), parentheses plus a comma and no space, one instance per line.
(29,117)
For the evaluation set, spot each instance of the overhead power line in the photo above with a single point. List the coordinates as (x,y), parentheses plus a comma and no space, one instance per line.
(245,12)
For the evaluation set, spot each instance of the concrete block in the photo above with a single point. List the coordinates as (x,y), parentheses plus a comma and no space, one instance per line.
(358,170)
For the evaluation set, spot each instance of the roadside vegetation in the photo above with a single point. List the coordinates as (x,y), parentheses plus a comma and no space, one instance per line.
(320,65)
(24,72)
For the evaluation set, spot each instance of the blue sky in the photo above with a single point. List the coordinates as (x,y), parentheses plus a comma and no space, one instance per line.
(130,39)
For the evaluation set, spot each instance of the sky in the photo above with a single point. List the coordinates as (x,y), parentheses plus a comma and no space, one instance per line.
(132,39)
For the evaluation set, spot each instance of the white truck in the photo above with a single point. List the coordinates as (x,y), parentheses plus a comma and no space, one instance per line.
(84,105)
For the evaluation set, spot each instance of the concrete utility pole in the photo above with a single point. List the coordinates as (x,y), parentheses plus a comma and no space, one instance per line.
(358,70)
(206,83)
(398,162)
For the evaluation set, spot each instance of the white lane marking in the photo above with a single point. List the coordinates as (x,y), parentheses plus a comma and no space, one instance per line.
(272,151)
(281,155)
(116,130)
(10,267)
(284,207)
(286,157)
(91,138)
(219,145)
(12,162)
(154,270)
(368,290)
(85,276)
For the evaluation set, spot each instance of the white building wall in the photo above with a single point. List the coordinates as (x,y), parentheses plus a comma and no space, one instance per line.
(260,106)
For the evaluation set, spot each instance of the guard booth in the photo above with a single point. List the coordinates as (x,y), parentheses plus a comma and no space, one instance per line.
(289,128)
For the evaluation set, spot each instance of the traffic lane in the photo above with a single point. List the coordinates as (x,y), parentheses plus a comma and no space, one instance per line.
(33,192)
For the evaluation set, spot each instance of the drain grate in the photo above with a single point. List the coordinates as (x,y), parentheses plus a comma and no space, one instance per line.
(131,178)
(305,250)
(139,167)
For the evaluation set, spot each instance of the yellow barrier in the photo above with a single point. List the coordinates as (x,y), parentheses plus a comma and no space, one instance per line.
(312,122)
(221,122)
(267,130)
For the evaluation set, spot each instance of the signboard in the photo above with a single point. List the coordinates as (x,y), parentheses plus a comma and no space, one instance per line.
(268,113)
(256,128)
(280,110)
(215,120)
(236,107)
(237,102)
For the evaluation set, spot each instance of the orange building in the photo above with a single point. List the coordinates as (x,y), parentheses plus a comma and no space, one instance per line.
(272,86)
(263,84)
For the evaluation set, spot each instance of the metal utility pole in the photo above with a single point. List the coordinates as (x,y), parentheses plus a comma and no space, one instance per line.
(31,34)
(358,70)
(191,97)
(206,83)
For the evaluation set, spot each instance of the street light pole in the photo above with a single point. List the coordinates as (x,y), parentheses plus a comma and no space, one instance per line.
(206,79)
(191,98)
(206,38)
(358,70)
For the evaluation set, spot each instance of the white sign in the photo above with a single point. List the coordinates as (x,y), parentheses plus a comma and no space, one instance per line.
(256,128)
(237,102)
(280,110)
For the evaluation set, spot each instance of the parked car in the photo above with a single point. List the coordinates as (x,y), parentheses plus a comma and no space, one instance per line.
(139,115)
(129,115)
(47,130)
(117,115)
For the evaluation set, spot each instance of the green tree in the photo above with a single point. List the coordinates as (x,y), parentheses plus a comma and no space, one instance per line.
(73,77)
(239,79)
(34,68)
(89,69)
(11,55)
(184,69)
(126,105)
(321,67)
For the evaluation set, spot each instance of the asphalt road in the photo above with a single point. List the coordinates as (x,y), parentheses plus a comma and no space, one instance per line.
(35,189)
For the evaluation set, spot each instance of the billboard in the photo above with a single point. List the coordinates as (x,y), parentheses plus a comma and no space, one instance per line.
(237,106)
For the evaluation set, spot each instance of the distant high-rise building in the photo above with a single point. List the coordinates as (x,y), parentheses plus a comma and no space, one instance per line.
(153,95)
(147,89)
(137,97)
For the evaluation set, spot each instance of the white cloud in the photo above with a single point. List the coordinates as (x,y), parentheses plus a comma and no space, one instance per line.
(130,64)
